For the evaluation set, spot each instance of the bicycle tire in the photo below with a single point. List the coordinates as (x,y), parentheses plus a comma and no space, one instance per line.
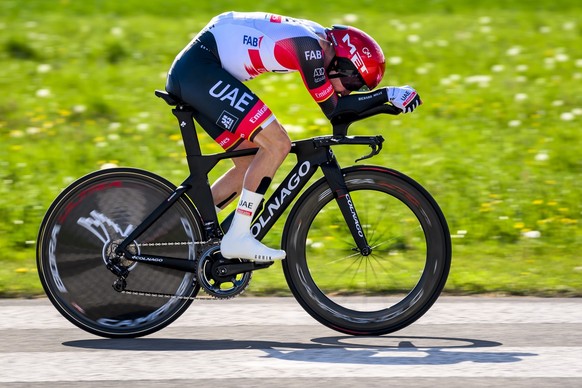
(376,294)
(77,234)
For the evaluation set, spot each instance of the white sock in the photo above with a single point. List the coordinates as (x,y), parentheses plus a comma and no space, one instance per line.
(245,211)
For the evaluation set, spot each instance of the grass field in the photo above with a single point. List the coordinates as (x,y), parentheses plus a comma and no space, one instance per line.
(497,141)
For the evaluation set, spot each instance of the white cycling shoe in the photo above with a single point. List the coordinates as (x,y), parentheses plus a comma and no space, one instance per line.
(245,246)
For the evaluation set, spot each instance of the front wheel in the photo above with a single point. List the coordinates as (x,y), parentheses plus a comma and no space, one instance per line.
(373,294)
(78,237)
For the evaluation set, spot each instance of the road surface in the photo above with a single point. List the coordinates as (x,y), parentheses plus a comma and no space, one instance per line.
(271,342)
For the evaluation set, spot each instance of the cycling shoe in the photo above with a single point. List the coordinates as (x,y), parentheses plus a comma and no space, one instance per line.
(247,247)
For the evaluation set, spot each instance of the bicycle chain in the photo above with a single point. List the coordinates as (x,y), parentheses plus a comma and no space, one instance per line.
(172,296)
(179,297)
(157,294)
(169,296)
(175,243)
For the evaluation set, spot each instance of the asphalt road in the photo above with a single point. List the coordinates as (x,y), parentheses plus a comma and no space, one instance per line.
(271,342)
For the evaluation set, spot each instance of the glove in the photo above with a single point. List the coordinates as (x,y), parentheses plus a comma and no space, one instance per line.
(404,97)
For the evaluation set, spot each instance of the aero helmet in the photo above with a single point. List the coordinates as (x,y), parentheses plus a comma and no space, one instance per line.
(359,60)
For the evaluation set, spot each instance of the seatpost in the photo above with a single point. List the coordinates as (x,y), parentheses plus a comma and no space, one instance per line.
(199,166)
(185,116)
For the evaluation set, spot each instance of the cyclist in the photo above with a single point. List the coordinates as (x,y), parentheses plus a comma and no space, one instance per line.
(235,47)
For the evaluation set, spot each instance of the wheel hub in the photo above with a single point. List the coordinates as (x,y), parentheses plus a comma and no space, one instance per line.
(109,254)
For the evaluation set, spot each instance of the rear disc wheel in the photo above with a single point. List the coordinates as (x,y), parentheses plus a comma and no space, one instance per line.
(79,235)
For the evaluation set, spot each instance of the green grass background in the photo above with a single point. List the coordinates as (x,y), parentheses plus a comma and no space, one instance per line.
(497,141)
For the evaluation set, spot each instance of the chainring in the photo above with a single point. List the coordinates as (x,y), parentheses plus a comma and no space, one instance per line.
(215,284)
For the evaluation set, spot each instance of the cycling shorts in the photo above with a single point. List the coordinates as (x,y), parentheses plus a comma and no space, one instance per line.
(227,110)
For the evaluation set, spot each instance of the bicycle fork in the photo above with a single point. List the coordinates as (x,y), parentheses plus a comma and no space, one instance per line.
(337,183)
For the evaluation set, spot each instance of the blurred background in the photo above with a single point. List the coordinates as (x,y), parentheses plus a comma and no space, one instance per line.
(497,141)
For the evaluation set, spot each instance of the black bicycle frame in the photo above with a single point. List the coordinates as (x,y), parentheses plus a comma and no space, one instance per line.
(311,154)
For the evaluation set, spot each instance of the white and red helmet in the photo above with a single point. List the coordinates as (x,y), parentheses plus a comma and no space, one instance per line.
(359,61)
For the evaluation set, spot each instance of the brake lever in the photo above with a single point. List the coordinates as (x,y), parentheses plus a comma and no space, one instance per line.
(376,148)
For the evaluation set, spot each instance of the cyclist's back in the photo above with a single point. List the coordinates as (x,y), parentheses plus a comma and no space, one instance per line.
(249,44)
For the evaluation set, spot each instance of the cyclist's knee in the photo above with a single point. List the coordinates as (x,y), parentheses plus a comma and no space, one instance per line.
(283,145)
(274,139)
(280,147)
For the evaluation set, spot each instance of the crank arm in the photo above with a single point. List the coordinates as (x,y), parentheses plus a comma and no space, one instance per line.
(238,268)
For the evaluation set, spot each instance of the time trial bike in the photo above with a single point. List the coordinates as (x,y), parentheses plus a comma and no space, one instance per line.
(123,252)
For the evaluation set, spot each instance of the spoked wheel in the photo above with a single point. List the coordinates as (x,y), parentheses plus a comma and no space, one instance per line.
(367,294)
(79,234)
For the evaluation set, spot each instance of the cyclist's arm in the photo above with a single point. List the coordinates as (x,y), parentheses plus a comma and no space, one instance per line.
(305,55)
(404,98)
(359,102)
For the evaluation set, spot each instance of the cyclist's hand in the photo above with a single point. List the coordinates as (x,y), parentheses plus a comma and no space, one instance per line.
(404,97)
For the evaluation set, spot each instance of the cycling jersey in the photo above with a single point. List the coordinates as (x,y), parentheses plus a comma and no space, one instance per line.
(253,43)
(235,47)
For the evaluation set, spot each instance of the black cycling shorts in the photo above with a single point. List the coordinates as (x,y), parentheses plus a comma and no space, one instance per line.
(226,109)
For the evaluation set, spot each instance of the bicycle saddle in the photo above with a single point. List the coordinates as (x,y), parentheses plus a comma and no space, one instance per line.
(170,99)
